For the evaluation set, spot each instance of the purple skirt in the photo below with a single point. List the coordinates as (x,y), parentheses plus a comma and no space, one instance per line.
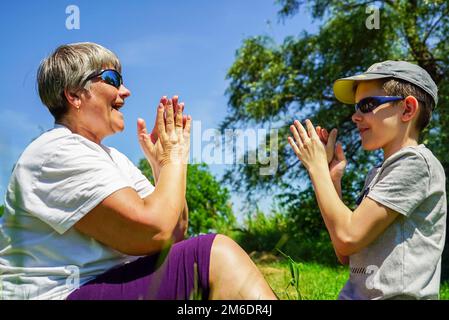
(180,274)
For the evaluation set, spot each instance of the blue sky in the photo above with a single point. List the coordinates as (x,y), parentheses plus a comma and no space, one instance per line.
(165,47)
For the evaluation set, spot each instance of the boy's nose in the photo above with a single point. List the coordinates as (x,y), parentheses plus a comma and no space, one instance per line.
(357,116)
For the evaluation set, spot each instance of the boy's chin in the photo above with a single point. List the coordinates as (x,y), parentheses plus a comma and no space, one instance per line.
(370,146)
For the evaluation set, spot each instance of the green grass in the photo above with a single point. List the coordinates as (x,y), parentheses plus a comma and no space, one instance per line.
(316,282)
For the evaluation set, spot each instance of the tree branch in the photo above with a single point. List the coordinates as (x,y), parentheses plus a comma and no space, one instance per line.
(435,24)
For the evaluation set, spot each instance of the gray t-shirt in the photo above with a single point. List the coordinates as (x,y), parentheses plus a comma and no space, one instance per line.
(404,262)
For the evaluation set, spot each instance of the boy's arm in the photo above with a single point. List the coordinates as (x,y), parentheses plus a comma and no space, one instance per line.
(344,260)
(350,231)
(337,186)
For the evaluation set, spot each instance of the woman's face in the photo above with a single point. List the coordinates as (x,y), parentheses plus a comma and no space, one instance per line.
(99,115)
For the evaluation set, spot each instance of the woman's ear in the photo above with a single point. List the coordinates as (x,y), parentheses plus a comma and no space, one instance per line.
(72,98)
(410,108)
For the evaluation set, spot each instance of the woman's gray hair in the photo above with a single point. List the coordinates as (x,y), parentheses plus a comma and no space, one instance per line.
(67,68)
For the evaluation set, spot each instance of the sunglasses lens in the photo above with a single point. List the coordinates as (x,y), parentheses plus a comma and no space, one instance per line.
(367,105)
(112,77)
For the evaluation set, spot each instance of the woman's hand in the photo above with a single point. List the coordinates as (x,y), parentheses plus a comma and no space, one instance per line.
(335,153)
(308,146)
(169,142)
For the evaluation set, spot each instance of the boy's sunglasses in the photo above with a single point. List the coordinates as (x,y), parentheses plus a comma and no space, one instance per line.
(110,76)
(368,104)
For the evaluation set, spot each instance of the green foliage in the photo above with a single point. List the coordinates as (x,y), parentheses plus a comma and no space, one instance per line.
(209,203)
(271,84)
(317,281)
(282,231)
(2,208)
(294,268)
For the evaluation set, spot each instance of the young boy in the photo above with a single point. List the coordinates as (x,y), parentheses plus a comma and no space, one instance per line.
(394,239)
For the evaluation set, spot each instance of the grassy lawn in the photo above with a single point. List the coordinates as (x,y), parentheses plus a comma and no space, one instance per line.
(316,282)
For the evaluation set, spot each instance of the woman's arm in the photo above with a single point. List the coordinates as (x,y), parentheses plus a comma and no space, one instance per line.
(182,226)
(138,226)
(135,226)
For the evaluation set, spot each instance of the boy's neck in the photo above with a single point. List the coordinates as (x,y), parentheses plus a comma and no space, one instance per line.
(398,144)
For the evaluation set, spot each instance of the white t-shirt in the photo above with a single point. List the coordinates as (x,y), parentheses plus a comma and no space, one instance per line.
(58,179)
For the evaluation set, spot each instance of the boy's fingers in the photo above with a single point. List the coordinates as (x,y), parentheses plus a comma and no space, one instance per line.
(301,131)
(294,131)
(339,152)
(294,146)
(332,138)
(310,129)
(325,134)
(319,132)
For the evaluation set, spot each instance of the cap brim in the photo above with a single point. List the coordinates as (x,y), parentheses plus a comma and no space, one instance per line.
(344,88)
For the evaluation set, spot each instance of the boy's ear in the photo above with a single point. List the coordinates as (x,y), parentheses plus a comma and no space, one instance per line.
(410,108)
(72,98)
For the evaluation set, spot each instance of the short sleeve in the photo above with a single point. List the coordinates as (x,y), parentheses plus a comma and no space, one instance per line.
(403,183)
(141,184)
(74,180)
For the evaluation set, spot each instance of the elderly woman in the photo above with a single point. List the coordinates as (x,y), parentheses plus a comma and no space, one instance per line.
(82,222)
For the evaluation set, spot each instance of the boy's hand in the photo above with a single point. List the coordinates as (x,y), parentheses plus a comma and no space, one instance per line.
(308,146)
(328,140)
(337,162)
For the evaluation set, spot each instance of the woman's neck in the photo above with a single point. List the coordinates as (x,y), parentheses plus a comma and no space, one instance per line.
(80,130)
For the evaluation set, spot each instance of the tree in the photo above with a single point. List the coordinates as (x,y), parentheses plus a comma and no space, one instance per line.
(208,201)
(273,84)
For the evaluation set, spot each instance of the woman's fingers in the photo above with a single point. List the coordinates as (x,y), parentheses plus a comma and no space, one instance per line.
(141,126)
(187,126)
(175,104)
(141,129)
(178,118)
(170,122)
(160,122)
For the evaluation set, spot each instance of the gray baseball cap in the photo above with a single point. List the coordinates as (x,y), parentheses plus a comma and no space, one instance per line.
(344,88)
